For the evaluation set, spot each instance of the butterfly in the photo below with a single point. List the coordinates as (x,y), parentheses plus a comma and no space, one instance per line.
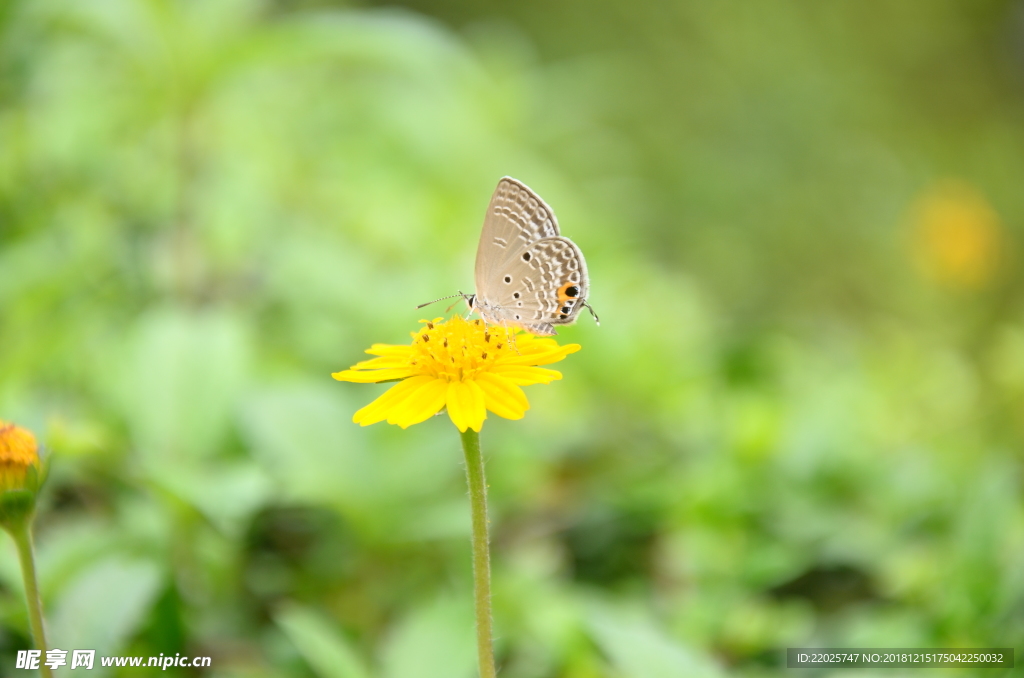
(528,275)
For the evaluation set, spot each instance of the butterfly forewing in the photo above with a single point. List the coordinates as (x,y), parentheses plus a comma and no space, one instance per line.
(515,218)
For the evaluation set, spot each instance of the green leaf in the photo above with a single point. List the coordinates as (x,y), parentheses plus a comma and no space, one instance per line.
(105,606)
(187,371)
(303,437)
(638,648)
(323,647)
(436,640)
(227,494)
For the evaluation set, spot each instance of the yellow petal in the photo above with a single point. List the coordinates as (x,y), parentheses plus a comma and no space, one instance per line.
(372,376)
(385,362)
(420,405)
(542,357)
(389,349)
(466,405)
(503,397)
(380,408)
(524,375)
(530,342)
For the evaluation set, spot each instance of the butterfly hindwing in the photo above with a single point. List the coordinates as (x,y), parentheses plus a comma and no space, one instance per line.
(544,285)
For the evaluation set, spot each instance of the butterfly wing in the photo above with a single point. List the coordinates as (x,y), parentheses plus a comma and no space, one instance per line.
(545,285)
(548,287)
(515,218)
(527,275)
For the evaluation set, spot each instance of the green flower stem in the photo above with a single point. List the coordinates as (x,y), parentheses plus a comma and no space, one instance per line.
(481,551)
(26,554)
(22,536)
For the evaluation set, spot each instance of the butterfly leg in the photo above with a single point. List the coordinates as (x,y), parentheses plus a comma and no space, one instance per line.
(510,336)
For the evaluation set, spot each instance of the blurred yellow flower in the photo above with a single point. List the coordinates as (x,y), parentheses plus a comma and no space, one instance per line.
(459,364)
(19,452)
(957,236)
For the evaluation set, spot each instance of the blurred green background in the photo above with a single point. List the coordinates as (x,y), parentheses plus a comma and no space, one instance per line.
(799,424)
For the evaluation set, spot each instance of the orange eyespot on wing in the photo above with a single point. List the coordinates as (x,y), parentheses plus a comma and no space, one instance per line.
(569,290)
(568,295)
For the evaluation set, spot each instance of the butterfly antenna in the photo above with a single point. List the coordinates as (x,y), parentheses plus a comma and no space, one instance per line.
(591,309)
(450,296)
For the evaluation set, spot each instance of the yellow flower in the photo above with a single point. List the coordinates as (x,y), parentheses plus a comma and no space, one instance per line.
(19,452)
(459,364)
(957,236)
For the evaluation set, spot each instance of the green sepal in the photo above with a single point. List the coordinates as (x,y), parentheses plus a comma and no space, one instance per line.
(18,505)
(16,508)
(35,476)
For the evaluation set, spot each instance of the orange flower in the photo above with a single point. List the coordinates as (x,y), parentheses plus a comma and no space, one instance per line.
(19,452)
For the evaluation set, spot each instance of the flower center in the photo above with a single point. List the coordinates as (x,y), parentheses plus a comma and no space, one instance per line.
(18,447)
(457,350)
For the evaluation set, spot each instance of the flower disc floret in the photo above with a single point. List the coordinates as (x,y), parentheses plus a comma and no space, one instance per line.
(466,366)
(19,452)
